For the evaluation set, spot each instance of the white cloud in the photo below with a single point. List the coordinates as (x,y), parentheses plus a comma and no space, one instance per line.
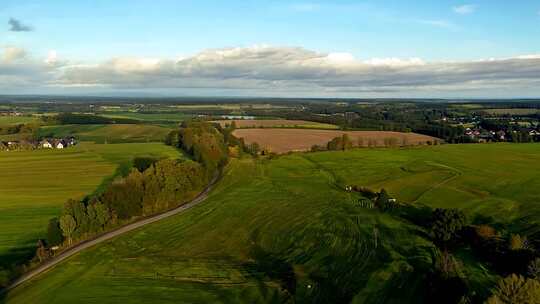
(464,9)
(52,57)
(11,54)
(266,70)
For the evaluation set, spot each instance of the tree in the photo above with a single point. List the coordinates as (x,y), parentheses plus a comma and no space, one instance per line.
(102,214)
(42,253)
(517,242)
(447,224)
(515,289)
(68,226)
(54,233)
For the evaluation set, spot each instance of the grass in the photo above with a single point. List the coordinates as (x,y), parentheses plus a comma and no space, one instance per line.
(132,133)
(34,185)
(13,120)
(151,117)
(515,111)
(271,220)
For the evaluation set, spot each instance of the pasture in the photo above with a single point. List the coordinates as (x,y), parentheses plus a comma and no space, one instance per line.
(164,117)
(275,123)
(285,140)
(283,228)
(513,111)
(35,184)
(13,120)
(129,133)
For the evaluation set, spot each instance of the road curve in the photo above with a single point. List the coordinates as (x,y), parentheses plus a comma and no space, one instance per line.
(109,235)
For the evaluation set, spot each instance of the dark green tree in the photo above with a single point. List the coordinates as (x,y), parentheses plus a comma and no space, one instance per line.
(54,233)
(447,224)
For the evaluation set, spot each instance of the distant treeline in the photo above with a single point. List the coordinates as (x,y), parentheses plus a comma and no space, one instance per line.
(85,119)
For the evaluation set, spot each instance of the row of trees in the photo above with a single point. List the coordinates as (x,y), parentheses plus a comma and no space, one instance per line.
(85,119)
(152,186)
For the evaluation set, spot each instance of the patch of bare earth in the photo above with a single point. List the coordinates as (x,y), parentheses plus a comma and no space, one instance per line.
(286,140)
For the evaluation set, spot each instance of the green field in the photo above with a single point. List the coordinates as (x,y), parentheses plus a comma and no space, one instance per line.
(272,220)
(514,111)
(109,133)
(34,185)
(151,117)
(12,120)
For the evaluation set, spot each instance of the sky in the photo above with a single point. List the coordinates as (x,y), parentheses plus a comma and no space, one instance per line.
(449,49)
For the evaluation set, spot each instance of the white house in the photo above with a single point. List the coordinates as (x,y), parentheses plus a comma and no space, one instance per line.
(46,144)
(59,145)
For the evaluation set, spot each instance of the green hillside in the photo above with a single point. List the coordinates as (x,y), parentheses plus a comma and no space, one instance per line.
(280,229)
(34,185)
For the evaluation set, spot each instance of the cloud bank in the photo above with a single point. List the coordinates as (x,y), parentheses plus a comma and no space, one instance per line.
(265,70)
(17,26)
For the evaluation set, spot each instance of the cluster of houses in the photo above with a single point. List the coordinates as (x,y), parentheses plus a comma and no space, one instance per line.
(49,143)
(483,135)
(10,113)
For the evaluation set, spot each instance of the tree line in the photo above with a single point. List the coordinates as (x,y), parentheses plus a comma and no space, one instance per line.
(85,119)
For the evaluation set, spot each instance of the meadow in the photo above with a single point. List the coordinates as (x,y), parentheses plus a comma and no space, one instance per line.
(284,229)
(164,117)
(35,184)
(12,120)
(117,133)
(513,111)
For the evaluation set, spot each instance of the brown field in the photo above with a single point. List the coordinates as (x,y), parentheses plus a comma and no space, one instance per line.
(275,123)
(285,140)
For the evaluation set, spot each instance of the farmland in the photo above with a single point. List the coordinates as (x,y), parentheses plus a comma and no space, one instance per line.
(511,111)
(9,120)
(35,184)
(150,117)
(285,140)
(130,133)
(272,220)
(275,123)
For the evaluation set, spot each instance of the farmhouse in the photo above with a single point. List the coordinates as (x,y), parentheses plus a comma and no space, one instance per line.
(33,145)
(46,144)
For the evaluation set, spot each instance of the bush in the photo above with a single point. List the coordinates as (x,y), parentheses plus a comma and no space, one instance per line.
(447,224)
(54,233)
(515,289)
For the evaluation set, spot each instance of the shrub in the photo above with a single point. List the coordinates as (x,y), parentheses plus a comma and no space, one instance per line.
(447,224)
(515,289)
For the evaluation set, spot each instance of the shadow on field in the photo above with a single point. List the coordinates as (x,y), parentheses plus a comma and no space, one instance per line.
(266,265)
(11,266)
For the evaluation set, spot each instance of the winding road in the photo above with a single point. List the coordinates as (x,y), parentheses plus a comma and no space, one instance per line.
(109,235)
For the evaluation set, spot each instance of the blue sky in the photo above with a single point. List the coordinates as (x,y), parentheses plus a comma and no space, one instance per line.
(95,32)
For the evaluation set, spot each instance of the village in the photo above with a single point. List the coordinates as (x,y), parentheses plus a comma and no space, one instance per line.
(27,145)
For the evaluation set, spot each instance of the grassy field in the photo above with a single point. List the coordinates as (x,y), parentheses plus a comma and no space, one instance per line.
(151,117)
(281,228)
(132,133)
(11,120)
(515,111)
(34,185)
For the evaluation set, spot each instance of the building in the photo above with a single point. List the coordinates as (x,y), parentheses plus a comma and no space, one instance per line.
(46,144)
